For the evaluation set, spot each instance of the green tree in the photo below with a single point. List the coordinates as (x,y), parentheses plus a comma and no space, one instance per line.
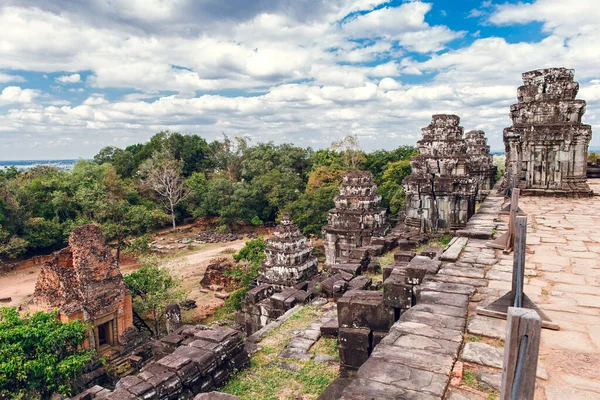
(40,355)
(391,189)
(154,288)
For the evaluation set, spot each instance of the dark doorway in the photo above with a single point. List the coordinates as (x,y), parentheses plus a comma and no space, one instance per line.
(104,334)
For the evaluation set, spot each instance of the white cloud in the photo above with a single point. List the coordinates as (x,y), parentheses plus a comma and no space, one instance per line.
(66,79)
(5,78)
(14,95)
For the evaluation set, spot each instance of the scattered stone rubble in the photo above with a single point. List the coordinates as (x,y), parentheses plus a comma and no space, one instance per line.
(356,219)
(440,192)
(188,361)
(215,274)
(547,145)
(288,258)
(83,282)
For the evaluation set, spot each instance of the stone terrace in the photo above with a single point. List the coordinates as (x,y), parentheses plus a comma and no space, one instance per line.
(563,279)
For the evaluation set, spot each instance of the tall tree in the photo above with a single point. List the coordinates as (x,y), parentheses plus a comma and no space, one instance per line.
(352,155)
(162,174)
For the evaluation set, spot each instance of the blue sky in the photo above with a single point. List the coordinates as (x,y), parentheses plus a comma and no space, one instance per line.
(77,76)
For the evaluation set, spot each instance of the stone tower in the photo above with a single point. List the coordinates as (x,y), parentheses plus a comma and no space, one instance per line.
(288,258)
(546,147)
(481,166)
(356,218)
(83,282)
(440,194)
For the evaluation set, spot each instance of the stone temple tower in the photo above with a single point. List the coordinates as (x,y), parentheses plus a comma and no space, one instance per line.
(288,257)
(440,194)
(481,166)
(546,146)
(356,218)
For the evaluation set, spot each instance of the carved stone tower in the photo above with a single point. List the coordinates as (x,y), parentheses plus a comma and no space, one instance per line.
(288,257)
(546,147)
(440,194)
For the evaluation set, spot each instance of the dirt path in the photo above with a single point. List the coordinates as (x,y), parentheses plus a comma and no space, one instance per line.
(190,266)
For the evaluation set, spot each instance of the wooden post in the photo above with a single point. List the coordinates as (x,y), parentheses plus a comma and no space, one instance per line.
(518,273)
(521,348)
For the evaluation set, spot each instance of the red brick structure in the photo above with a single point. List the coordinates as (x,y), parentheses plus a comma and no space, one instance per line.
(83,282)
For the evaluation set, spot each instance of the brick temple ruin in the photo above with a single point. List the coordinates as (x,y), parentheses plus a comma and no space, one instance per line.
(481,165)
(440,191)
(83,282)
(355,221)
(546,147)
(288,258)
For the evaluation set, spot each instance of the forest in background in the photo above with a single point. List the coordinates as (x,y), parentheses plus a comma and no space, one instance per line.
(173,177)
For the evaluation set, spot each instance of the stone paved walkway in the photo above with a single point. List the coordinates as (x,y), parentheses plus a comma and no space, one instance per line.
(563,279)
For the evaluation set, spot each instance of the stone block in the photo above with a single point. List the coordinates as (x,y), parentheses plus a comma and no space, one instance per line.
(364,309)
(432,266)
(431,251)
(420,359)
(360,283)
(352,358)
(434,297)
(404,255)
(259,293)
(205,360)
(278,299)
(396,293)
(353,269)
(303,297)
(215,396)
(330,328)
(367,389)
(434,320)
(407,244)
(378,337)
(356,338)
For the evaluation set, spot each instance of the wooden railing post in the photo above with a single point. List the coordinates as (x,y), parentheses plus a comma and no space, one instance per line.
(520,249)
(521,348)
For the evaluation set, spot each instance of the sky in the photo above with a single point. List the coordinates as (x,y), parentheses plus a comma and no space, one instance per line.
(78,76)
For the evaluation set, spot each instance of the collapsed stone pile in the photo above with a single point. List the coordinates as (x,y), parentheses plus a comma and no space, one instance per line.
(191,360)
(546,147)
(356,219)
(215,237)
(216,274)
(288,259)
(440,193)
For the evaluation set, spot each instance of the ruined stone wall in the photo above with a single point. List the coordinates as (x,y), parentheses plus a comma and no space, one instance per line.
(440,193)
(356,219)
(83,282)
(546,146)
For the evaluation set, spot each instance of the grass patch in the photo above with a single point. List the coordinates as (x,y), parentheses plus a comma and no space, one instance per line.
(486,340)
(269,376)
(470,379)
(387,258)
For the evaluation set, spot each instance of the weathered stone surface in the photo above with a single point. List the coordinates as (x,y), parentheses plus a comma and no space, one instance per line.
(453,252)
(474,273)
(295,353)
(490,380)
(459,279)
(405,377)
(352,268)
(434,297)
(419,342)
(434,320)
(546,147)
(404,255)
(300,343)
(443,287)
(425,360)
(440,309)
(356,219)
(288,258)
(483,354)
(430,265)
(360,283)
(486,326)
(330,328)
(216,396)
(396,292)
(418,328)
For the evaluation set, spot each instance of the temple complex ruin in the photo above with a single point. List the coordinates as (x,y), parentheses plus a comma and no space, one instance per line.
(481,166)
(546,147)
(83,282)
(288,258)
(440,193)
(356,219)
